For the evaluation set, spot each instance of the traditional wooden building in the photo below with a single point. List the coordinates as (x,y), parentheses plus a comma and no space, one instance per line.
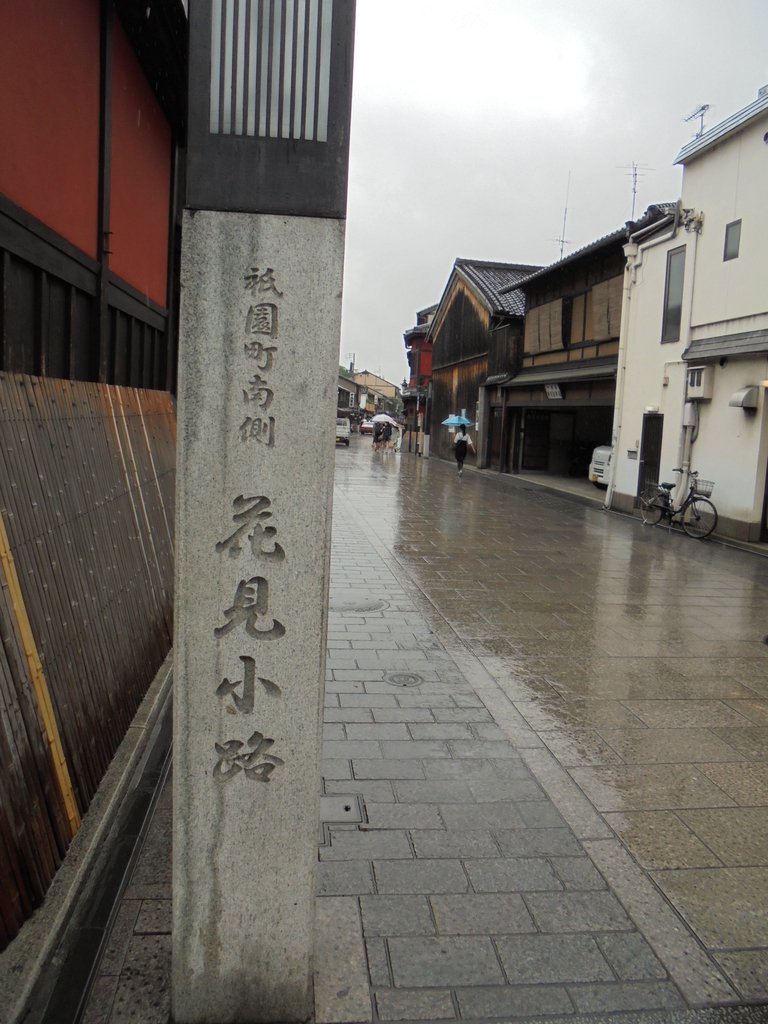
(92,117)
(418,348)
(475,334)
(559,406)
(91,124)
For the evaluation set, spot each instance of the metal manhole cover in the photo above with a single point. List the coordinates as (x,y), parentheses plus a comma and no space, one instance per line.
(358,607)
(403,679)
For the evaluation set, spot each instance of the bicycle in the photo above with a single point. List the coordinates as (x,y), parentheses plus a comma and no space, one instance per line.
(697,515)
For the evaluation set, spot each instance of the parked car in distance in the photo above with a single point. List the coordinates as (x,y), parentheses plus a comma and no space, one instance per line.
(366,427)
(600,465)
(343,431)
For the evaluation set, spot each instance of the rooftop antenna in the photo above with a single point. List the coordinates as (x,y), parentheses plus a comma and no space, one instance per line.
(635,171)
(562,239)
(699,112)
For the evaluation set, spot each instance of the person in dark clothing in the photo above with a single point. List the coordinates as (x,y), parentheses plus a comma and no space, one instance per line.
(462,442)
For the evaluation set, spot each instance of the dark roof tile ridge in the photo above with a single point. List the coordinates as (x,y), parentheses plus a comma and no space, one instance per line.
(496,264)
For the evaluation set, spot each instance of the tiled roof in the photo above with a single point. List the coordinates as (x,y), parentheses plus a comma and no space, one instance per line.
(722,131)
(654,212)
(495,282)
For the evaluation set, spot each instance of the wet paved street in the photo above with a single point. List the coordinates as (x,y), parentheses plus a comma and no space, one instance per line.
(554,722)
(558,721)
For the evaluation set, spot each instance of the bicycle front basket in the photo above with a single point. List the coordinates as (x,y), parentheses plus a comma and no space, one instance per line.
(704,487)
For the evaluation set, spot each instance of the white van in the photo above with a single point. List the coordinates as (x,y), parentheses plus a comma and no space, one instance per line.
(343,431)
(600,465)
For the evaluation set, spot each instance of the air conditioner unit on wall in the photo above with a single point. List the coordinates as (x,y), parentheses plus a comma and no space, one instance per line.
(701,380)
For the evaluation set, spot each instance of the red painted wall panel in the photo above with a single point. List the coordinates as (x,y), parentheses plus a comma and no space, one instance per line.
(141,177)
(49,114)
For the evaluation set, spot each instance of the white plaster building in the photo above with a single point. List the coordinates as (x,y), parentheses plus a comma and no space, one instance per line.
(693,357)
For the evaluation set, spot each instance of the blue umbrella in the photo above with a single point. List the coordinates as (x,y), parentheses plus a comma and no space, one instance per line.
(457,421)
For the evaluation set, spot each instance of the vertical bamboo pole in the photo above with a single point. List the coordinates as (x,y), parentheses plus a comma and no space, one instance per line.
(39,684)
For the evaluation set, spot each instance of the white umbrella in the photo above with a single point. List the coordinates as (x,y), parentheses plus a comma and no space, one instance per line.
(384,417)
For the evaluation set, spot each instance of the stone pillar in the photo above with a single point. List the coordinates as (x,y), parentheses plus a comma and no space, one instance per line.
(261,273)
(260,318)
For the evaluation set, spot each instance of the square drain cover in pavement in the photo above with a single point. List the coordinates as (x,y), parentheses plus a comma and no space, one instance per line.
(339,811)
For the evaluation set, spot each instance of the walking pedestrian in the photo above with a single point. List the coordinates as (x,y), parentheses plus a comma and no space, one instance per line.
(461,443)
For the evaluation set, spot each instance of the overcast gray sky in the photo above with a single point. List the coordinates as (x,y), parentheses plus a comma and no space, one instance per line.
(469,115)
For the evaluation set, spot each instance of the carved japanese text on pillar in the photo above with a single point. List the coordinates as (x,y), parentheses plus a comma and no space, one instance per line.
(261,331)
(254,535)
(251,515)
(250,757)
(252,538)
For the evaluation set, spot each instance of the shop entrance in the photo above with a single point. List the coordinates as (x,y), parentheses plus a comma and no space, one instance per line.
(561,442)
(650,451)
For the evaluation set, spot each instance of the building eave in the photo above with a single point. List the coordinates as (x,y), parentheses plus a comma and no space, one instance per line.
(725,130)
(746,343)
(563,373)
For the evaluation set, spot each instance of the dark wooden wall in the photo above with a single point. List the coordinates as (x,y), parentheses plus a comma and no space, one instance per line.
(505,348)
(50,321)
(463,330)
(459,365)
(87,482)
(454,389)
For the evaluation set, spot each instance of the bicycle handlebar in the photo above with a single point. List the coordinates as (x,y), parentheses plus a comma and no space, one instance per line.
(691,472)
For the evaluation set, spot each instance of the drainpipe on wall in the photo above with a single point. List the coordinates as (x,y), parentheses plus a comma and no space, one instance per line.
(630,251)
(689,430)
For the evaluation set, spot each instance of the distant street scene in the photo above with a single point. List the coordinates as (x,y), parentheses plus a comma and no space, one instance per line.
(383,512)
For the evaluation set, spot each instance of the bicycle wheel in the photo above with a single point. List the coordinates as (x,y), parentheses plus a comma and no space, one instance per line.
(653,501)
(700,518)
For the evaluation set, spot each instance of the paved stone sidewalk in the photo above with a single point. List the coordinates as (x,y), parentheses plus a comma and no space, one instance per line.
(475,897)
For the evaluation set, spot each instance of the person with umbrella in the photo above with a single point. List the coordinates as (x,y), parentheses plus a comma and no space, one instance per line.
(382,429)
(462,442)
